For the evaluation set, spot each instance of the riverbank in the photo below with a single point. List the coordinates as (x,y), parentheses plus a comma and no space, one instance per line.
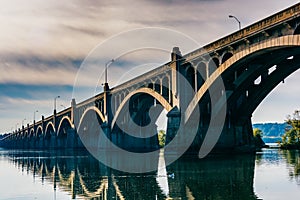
(290,146)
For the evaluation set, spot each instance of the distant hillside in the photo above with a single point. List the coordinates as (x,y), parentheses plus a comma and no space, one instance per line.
(272,132)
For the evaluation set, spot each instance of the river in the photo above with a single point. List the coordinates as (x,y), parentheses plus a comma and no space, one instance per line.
(270,174)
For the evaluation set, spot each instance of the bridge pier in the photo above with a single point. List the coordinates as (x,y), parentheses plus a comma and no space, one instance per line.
(67,139)
(52,141)
(31,142)
(173,124)
(236,136)
(71,138)
(111,136)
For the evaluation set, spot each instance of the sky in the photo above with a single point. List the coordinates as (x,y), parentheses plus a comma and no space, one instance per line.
(44,45)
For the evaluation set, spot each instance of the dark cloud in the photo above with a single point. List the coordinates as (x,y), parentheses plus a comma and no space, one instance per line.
(40,62)
(88,30)
(167,2)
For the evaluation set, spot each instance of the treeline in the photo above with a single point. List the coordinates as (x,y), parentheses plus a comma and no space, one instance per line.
(291,137)
(287,134)
(272,132)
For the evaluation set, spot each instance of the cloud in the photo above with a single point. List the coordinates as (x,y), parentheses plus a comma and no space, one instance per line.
(18,109)
(27,70)
(44,42)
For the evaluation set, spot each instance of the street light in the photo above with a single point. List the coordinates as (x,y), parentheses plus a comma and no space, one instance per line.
(231,16)
(55,103)
(23,122)
(34,115)
(106,66)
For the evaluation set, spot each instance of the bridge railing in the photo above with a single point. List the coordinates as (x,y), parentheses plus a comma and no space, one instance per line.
(64,112)
(267,23)
(139,79)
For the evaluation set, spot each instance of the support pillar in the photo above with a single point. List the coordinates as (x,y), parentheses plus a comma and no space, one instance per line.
(173,124)
(112,137)
(174,65)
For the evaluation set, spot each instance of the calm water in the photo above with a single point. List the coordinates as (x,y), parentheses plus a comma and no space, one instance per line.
(271,174)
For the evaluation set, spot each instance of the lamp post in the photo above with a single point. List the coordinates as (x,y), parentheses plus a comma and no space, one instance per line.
(231,16)
(23,122)
(55,103)
(34,115)
(106,91)
(106,66)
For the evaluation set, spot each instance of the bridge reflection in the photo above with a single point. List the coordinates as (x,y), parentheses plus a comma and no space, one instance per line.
(82,176)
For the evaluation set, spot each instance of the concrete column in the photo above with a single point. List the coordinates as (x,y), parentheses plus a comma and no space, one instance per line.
(196,80)
(239,136)
(112,137)
(172,124)
(74,119)
(43,124)
(106,102)
(26,140)
(54,121)
(175,64)
(207,71)
(170,91)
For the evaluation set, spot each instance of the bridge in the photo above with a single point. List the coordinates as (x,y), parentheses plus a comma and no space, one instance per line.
(228,78)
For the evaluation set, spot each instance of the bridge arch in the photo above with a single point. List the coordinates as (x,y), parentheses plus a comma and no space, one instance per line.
(65,121)
(213,64)
(21,134)
(297,30)
(50,128)
(85,113)
(226,56)
(148,91)
(89,126)
(267,45)
(25,133)
(157,84)
(31,132)
(93,108)
(165,88)
(190,75)
(201,74)
(39,131)
(150,85)
(269,83)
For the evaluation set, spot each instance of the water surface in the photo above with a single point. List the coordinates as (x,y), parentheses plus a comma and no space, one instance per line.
(270,174)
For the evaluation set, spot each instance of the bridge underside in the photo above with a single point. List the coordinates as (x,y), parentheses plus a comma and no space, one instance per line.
(247,83)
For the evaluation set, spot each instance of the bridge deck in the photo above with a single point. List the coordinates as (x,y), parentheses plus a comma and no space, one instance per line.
(267,23)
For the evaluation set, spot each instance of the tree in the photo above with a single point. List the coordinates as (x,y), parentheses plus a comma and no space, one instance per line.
(294,122)
(257,133)
(291,137)
(162,138)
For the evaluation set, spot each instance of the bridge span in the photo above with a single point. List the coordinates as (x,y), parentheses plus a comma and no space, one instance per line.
(250,63)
